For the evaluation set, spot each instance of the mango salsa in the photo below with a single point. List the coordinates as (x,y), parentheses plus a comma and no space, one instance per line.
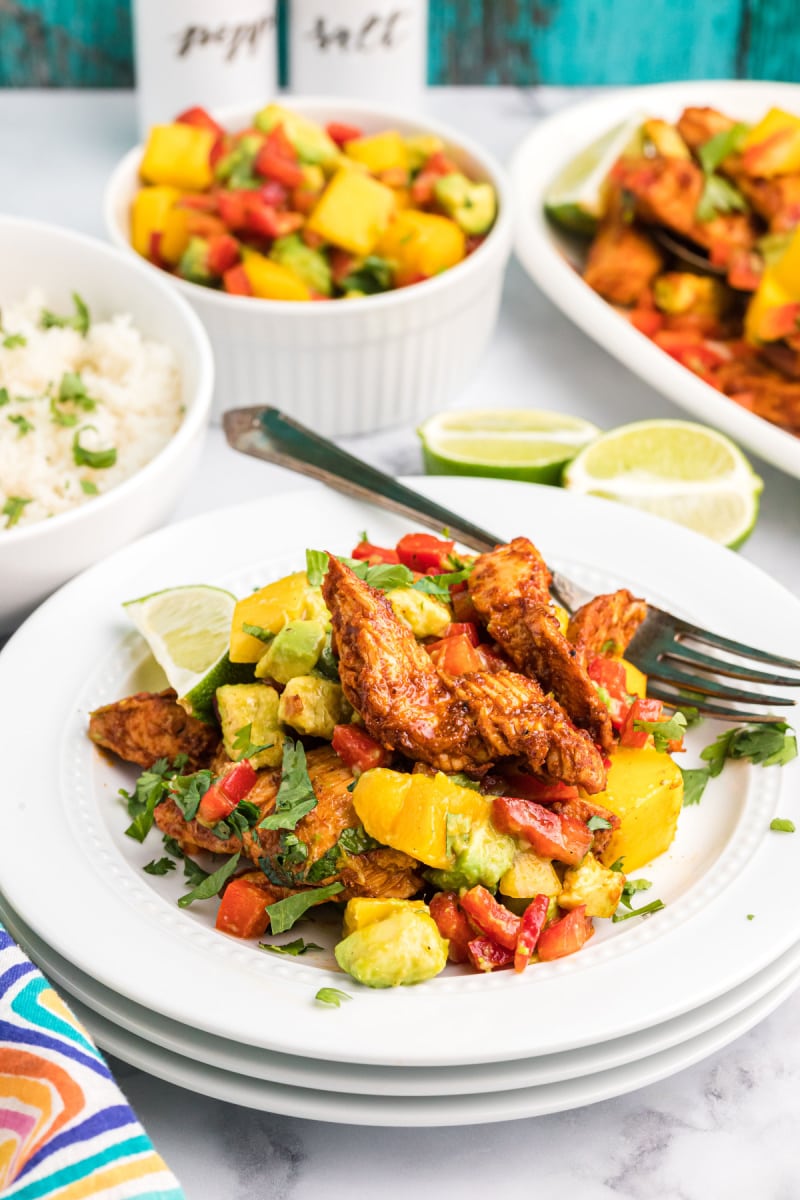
(645,790)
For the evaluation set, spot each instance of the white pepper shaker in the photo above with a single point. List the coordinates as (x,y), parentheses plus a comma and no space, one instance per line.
(202,52)
(368,49)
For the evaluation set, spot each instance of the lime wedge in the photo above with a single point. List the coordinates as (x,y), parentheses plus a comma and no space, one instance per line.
(188,631)
(515,443)
(677,470)
(576,198)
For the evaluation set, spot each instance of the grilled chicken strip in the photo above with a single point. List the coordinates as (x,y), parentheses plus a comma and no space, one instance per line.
(614,617)
(510,587)
(453,724)
(152,725)
(379,872)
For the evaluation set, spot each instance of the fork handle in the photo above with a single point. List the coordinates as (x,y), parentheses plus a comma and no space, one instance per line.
(269,434)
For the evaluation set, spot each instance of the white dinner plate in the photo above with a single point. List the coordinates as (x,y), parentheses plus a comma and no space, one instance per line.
(68,870)
(347,1078)
(547,253)
(425,1111)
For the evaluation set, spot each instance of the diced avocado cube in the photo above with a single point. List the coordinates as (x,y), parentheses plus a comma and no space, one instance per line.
(293,651)
(193,263)
(481,855)
(313,706)
(473,206)
(308,264)
(308,138)
(256,705)
(594,885)
(425,615)
(403,949)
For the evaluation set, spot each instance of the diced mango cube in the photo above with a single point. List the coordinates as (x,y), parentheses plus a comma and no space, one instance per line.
(421,245)
(271,280)
(149,212)
(381,152)
(363,911)
(179,155)
(353,212)
(772,147)
(645,789)
(770,302)
(635,680)
(176,235)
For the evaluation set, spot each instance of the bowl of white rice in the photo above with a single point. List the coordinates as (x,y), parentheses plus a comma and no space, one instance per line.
(106,378)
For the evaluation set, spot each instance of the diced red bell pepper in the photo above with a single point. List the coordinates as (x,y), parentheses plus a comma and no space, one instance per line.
(342,263)
(340,133)
(422,551)
(374,554)
(242,911)
(647,320)
(232,207)
(222,797)
(236,283)
(268,222)
(694,354)
(491,917)
(528,787)
(468,628)
(463,607)
(640,710)
(455,655)
(491,659)
(222,253)
(486,955)
(551,834)
(201,119)
(452,924)
(745,270)
(531,926)
(433,168)
(201,201)
(357,749)
(565,936)
(154,252)
(473,241)
(274,194)
(273,166)
(609,673)
(204,224)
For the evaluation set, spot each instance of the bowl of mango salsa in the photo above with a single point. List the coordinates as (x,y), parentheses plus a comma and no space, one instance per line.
(347,262)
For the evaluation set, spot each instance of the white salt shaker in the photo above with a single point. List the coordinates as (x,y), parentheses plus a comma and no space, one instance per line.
(203,52)
(369,49)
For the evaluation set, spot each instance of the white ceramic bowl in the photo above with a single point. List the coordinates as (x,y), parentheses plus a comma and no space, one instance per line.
(35,559)
(547,254)
(360,365)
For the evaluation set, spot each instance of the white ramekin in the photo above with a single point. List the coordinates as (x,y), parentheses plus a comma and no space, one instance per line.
(350,366)
(35,559)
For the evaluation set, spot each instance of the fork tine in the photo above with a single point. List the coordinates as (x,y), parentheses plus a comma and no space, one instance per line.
(709,710)
(705,636)
(684,654)
(709,687)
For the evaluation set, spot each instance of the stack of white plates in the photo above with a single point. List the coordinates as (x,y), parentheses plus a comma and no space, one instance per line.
(160,988)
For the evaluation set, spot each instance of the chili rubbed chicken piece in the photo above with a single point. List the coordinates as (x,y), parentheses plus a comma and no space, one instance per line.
(510,588)
(452,723)
(611,618)
(622,262)
(152,725)
(377,872)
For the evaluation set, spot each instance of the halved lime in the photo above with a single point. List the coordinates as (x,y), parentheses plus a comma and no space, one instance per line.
(676,469)
(576,198)
(513,443)
(188,631)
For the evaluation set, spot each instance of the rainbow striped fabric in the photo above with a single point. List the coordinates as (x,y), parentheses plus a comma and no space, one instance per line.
(66,1130)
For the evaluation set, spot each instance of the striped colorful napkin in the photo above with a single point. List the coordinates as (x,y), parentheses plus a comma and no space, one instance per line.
(66,1130)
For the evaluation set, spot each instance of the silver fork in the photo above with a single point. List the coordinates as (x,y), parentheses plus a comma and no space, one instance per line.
(679,674)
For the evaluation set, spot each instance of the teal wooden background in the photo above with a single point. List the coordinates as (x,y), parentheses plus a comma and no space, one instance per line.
(70,43)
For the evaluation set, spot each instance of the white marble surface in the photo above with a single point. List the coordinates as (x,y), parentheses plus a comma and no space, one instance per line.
(723,1128)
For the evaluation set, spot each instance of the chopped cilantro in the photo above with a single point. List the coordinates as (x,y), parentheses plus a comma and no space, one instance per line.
(88,488)
(211,885)
(719,194)
(694,784)
(99,459)
(11,340)
(631,887)
(295,798)
(327,663)
(316,566)
(237,823)
(782,825)
(284,913)
(618,865)
(664,732)
(372,275)
(149,790)
(188,790)
(12,509)
(22,423)
(80,320)
(258,631)
(159,867)
(387,576)
(192,873)
(714,152)
(244,746)
(72,389)
(653,907)
(331,996)
(298,946)
(4,397)
(751,916)
(595,822)
(691,714)
(172,846)
(363,537)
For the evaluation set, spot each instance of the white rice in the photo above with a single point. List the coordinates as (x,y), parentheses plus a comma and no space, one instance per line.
(137,389)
